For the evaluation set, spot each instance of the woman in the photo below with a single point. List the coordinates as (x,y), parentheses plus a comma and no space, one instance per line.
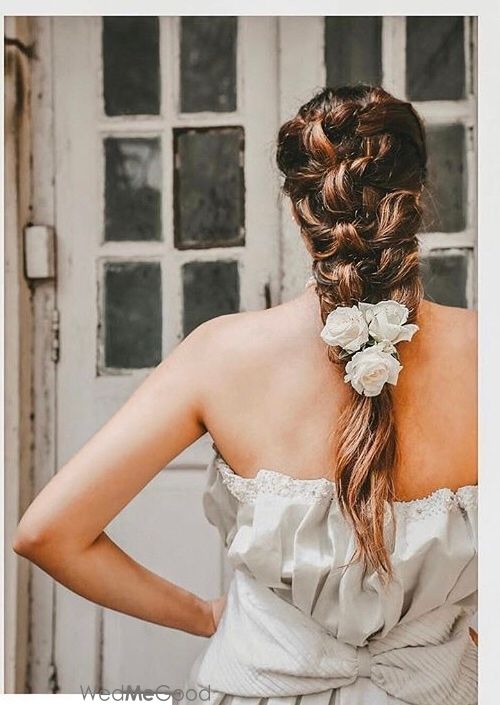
(344,477)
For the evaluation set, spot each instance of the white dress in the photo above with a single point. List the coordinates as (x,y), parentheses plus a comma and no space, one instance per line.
(297,626)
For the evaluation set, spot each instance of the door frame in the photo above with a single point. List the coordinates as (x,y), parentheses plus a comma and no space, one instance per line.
(301,71)
(41,676)
(18,375)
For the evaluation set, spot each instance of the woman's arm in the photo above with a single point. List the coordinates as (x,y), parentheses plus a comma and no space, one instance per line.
(62,530)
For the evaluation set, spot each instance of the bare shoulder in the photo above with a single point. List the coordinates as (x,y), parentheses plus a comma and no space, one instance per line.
(452,315)
(437,401)
(450,327)
(238,340)
(447,351)
(241,357)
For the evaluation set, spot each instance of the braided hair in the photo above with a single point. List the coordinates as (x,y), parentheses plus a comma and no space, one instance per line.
(355,163)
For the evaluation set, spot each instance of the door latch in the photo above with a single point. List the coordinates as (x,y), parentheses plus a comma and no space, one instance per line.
(39,252)
(56,343)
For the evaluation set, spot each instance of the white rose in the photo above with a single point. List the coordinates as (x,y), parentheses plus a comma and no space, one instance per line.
(387,321)
(369,369)
(345,326)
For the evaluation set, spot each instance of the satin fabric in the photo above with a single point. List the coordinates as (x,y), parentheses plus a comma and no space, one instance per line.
(298,624)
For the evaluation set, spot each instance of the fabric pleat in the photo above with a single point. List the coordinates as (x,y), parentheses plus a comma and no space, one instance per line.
(302,626)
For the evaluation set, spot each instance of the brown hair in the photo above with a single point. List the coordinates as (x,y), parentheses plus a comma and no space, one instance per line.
(355,162)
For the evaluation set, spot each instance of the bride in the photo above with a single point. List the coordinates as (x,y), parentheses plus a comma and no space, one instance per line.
(344,474)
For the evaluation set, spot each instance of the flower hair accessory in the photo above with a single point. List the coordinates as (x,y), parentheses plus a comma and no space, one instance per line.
(368,334)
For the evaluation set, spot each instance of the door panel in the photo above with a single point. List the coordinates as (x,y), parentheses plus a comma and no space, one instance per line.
(154,237)
(151,527)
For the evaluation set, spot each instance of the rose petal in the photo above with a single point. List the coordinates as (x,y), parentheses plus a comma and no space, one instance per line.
(406,332)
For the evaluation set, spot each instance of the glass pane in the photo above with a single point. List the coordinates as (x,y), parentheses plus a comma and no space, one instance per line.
(208,64)
(435,59)
(209,187)
(132,314)
(132,189)
(210,289)
(353,50)
(446,194)
(444,273)
(131,65)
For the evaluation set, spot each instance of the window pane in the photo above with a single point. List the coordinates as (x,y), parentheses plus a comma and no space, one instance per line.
(446,194)
(132,314)
(445,277)
(131,65)
(209,187)
(353,49)
(210,289)
(435,59)
(208,64)
(132,189)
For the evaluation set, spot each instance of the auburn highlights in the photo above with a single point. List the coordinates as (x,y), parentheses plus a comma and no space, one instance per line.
(354,162)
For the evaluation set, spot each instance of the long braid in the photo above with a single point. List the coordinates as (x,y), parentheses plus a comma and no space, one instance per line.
(354,162)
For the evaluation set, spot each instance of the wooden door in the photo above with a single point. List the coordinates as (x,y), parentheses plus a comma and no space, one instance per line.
(139,105)
(167,214)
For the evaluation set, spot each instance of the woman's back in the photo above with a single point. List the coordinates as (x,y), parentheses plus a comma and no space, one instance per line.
(273,399)
(322,631)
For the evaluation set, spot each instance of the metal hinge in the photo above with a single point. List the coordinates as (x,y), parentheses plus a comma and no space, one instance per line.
(53,679)
(267,295)
(55,336)
(26,49)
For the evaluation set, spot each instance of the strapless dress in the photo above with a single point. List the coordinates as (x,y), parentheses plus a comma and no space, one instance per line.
(299,625)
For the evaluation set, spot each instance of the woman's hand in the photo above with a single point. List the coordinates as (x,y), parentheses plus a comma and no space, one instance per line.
(217,608)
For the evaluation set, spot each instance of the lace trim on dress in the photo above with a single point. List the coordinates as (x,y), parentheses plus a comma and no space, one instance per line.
(246,489)
(467,496)
(274,482)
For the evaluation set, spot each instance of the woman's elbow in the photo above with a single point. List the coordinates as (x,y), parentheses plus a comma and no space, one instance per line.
(32,542)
